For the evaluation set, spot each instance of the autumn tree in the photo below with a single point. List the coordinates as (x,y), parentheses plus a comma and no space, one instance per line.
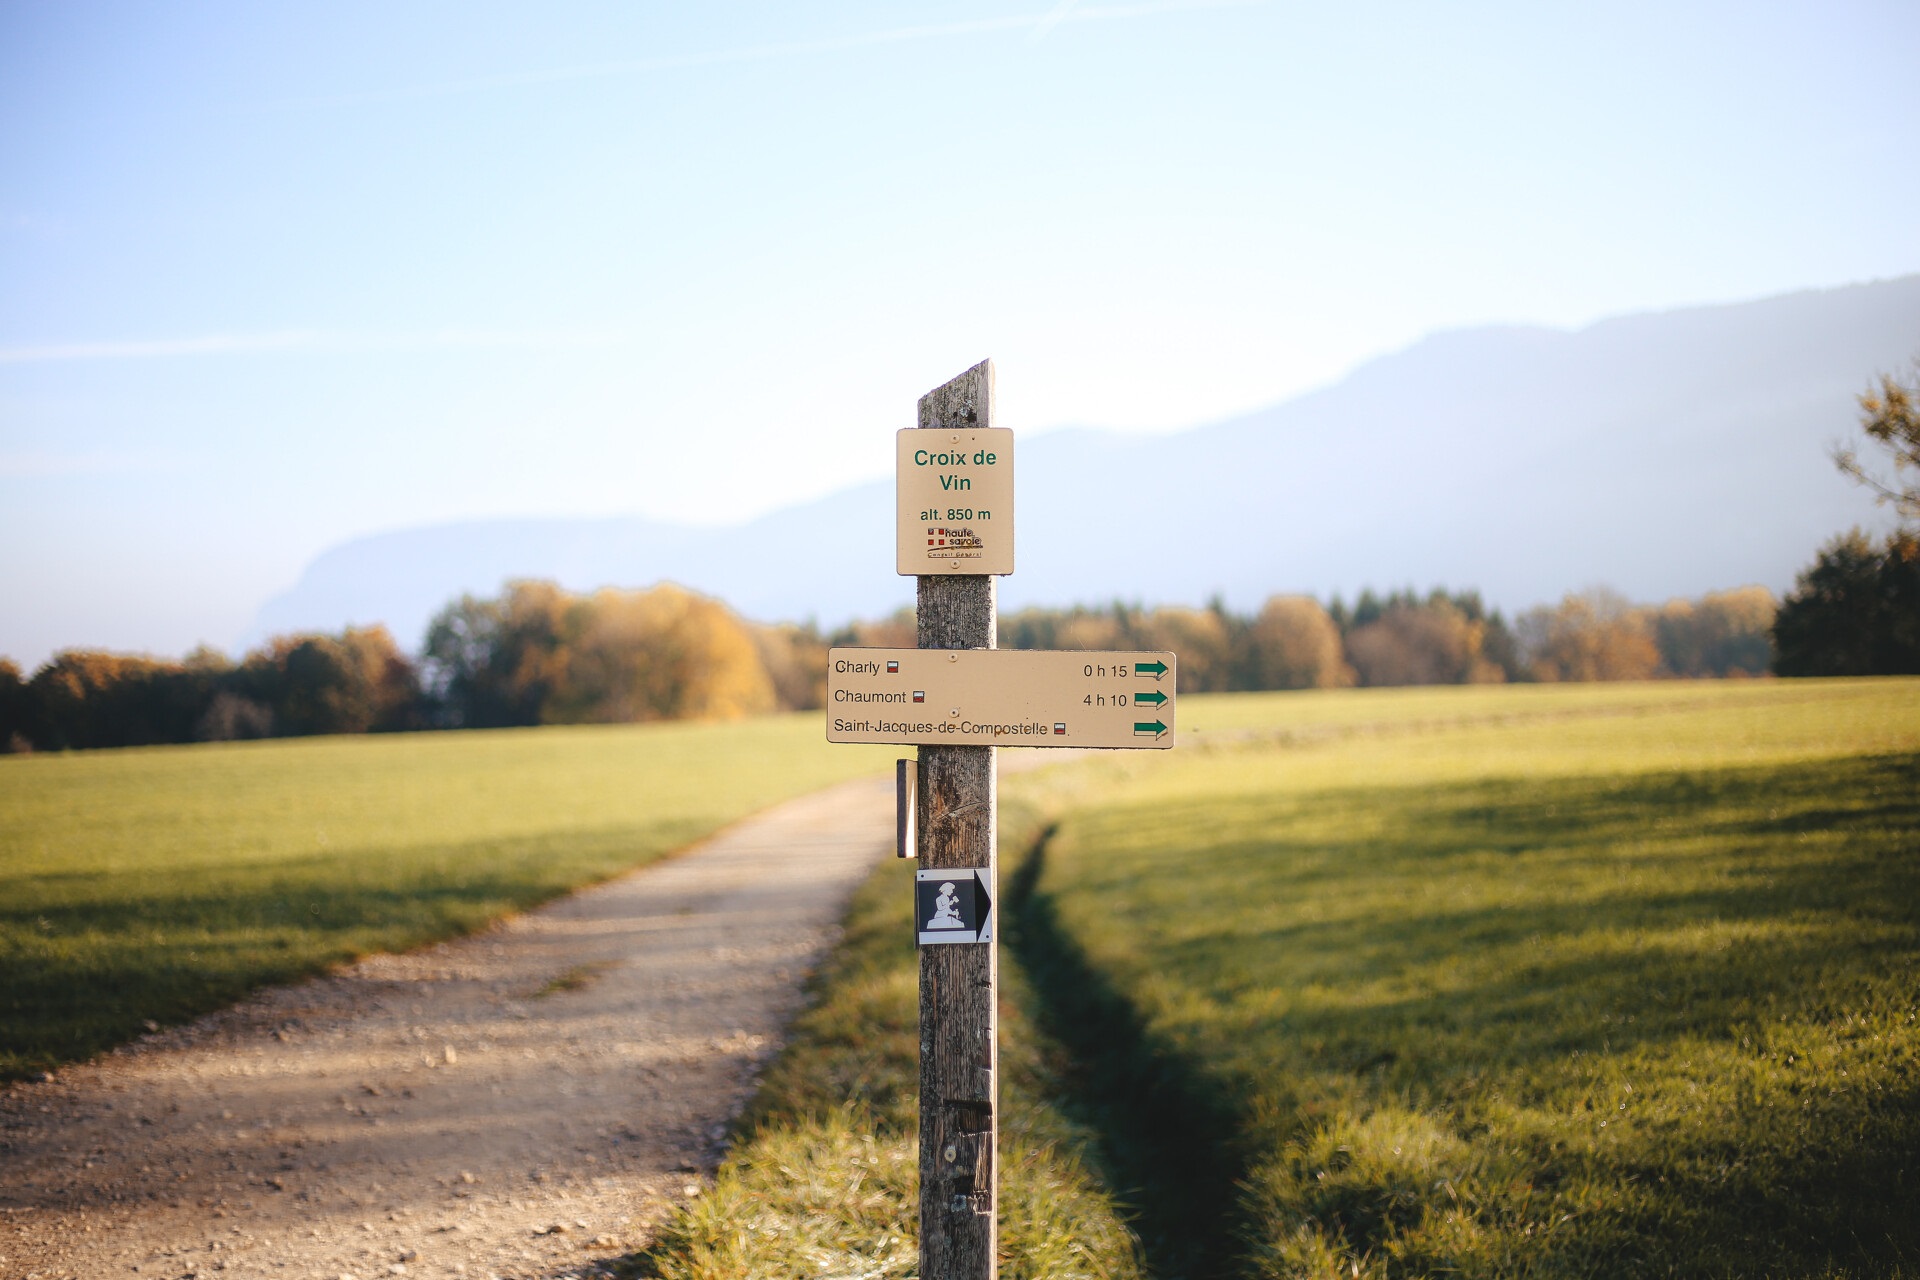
(542,655)
(1117,626)
(1407,641)
(1088,629)
(1722,633)
(353,682)
(224,711)
(232,716)
(1205,639)
(1294,644)
(1592,635)
(88,698)
(492,663)
(795,658)
(1210,641)
(662,654)
(1890,420)
(897,630)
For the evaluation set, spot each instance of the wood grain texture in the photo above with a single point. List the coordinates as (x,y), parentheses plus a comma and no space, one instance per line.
(959,1044)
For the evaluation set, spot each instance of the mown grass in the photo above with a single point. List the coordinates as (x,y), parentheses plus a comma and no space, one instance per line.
(159,883)
(823,1176)
(1543,982)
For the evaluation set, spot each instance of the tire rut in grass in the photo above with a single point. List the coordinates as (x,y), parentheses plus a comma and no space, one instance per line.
(1167,1138)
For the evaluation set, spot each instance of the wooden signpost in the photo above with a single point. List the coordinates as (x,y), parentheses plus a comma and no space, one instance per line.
(959,1050)
(959,697)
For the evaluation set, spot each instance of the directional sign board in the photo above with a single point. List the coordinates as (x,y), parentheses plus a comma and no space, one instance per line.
(1001,697)
(954,500)
(953,904)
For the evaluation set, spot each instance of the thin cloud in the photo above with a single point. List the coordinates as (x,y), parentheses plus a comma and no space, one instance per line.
(217,344)
(1039,24)
(1053,18)
(314,340)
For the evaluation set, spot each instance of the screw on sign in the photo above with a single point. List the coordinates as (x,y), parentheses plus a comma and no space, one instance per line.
(958,698)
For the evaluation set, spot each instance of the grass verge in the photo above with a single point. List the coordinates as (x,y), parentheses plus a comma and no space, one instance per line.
(159,883)
(1516,984)
(1162,1133)
(823,1177)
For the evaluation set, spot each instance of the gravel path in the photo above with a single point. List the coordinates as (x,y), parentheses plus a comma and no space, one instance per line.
(517,1104)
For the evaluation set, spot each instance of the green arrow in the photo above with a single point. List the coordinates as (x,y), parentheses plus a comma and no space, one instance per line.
(1154,727)
(1154,669)
(1153,699)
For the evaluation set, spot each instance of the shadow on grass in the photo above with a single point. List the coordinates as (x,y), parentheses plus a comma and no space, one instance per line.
(1165,1138)
(1719,961)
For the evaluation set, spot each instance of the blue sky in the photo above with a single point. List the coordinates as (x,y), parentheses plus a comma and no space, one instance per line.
(273,276)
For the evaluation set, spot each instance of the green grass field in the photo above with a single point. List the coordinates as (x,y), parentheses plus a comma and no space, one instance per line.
(1545,981)
(159,883)
(1603,980)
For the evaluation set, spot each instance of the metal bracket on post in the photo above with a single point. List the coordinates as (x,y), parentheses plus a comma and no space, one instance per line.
(906,800)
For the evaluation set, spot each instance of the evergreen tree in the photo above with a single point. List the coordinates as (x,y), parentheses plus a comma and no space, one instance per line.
(1854,612)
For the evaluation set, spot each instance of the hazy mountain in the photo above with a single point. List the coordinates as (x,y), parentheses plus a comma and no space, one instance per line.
(1663,454)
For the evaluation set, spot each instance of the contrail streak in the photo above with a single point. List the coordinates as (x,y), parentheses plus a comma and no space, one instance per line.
(305,340)
(1054,17)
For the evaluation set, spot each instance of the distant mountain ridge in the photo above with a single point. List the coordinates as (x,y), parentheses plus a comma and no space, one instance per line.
(1664,454)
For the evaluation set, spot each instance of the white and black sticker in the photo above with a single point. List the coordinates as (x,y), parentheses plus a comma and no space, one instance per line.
(953,904)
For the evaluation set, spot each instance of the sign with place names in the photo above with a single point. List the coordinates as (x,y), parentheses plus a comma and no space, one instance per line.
(954,500)
(953,904)
(1001,697)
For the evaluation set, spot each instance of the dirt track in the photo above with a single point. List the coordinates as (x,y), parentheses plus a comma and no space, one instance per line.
(517,1104)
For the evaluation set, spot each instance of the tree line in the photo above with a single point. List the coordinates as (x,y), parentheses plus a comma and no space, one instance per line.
(536,654)
(539,654)
(1408,638)
(355,682)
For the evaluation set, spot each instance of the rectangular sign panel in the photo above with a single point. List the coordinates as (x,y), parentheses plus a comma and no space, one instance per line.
(1001,697)
(953,905)
(954,496)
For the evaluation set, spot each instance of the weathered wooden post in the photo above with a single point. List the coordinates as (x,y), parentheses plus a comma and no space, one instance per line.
(959,1050)
(959,698)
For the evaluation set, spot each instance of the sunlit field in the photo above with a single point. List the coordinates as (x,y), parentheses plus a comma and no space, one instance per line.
(159,883)
(1603,980)
(1546,981)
